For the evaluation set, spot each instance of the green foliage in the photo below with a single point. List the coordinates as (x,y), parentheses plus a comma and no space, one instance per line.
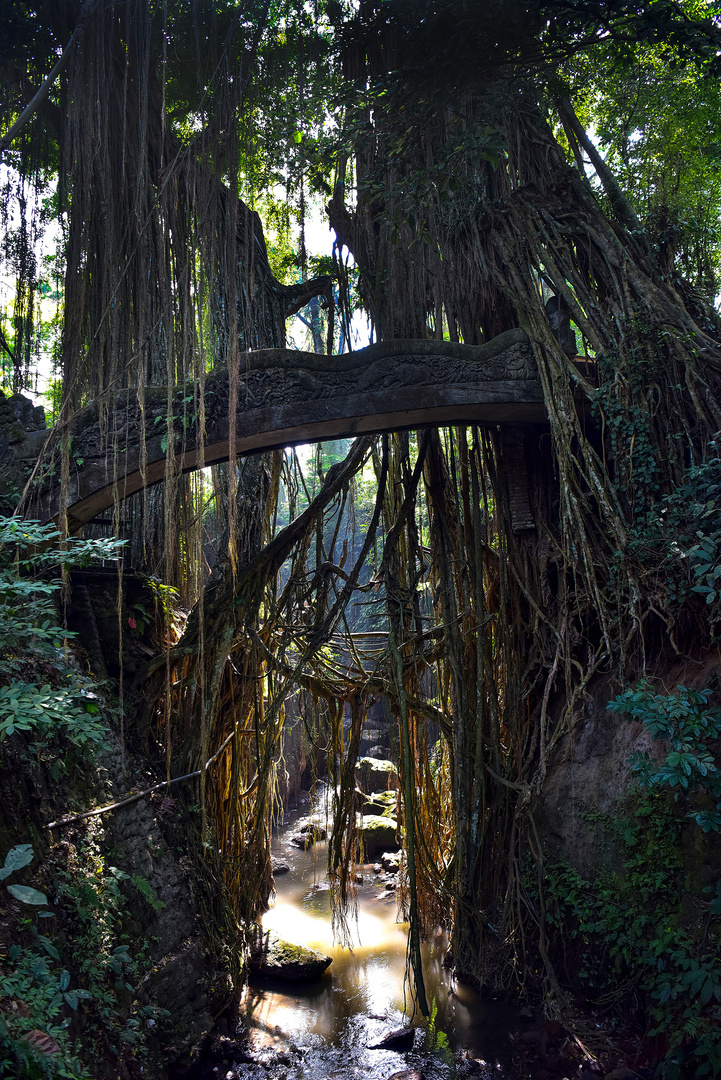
(146,890)
(438,1043)
(43,990)
(51,698)
(683,721)
(652,107)
(16,859)
(628,926)
(32,1029)
(48,710)
(93,902)
(680,537)
(624,932)
(165,596)
(47,979)
(702,490)
(90,905)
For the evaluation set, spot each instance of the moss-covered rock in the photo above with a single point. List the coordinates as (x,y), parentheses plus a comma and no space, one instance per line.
(381,803)
(377,834)
(375,775)
(272,957)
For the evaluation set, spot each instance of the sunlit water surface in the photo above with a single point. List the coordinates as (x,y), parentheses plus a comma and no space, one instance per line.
(364,994)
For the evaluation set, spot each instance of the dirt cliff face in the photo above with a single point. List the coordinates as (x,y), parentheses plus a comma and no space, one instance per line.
(590,773)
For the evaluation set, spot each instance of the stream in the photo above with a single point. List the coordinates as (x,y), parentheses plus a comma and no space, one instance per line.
(325,1028)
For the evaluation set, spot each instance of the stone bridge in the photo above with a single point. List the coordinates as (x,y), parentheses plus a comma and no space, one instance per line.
(284,397)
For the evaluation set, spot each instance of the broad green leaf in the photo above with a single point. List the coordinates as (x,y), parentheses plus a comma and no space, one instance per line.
(16,858)
(48,946)
(26,895)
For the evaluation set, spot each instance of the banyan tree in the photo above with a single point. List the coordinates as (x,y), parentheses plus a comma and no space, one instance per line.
(514,569)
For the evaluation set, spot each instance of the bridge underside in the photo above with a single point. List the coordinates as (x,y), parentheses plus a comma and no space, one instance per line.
(285,398)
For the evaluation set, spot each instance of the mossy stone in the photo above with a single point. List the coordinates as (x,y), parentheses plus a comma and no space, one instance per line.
(272,957)
(377,834)
(375,775)
(383,803)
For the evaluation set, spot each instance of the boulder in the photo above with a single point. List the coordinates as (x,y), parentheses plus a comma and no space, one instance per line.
(373,775)
(399,1040)
(271,957)
(377,834)
(316,827)
(381,802)
(309,831)
(372,736)
(391,861)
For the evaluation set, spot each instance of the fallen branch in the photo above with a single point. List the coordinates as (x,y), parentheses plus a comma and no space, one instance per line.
(142,794)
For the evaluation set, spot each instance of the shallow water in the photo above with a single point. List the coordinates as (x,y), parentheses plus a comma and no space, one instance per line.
(329,1025)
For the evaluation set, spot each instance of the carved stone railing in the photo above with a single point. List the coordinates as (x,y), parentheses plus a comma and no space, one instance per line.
(287,397)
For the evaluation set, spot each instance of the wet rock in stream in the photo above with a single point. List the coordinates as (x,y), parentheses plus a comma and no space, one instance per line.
(229,1059)
(391,861)
(271,957)
(308,831)
(399,1040)
(377,834)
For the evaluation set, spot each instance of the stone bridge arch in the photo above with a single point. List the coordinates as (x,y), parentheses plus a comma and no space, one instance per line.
(285,397)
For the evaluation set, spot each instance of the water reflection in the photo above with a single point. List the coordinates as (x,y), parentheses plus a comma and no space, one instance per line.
(364,993)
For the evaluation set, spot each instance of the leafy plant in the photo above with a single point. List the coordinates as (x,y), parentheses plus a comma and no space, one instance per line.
(37,990)
(627,926)
(31,1029)
(94,904)
(681,534)
(685,722)
(44,710)
(438,1042)
(16,859)
(44,698)
(705,554)
(146,889)
(621,932)
(51,698)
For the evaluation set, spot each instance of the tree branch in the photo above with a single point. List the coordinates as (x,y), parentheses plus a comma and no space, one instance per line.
(622,207)
(297,296)
(33,106)
(148,791)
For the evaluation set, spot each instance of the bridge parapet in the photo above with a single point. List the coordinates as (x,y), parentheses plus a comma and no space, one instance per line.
(284,398)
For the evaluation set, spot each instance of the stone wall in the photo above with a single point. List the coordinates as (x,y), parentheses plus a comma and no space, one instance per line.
(148,841)
(23,433)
